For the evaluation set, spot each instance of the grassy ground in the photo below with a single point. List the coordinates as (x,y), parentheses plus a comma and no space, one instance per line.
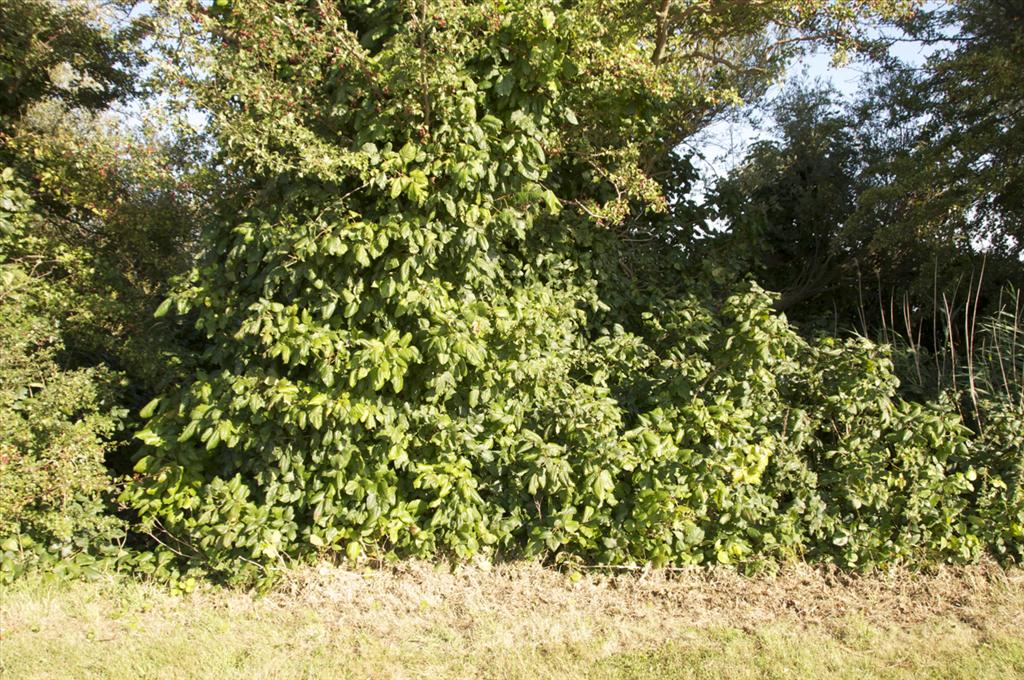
(520,621)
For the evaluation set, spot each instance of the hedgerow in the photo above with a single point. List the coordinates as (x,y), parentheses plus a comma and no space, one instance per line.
(443,310)
(750,446)
(442,324)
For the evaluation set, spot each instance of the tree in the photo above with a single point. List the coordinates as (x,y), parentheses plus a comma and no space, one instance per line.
(788,203)
(837,213)
(960,178)
(38,37)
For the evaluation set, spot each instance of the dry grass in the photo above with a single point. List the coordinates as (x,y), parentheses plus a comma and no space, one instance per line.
(521,620)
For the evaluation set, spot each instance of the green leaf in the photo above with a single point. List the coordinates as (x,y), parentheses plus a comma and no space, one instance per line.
(164,307)
(362,256)
(449,205)
(148,409)
(551,201)
(149,437)
(408,152)
(504,86)
(492,123)
(397,186)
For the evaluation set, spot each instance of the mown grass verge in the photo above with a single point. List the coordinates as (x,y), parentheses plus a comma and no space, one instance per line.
(521,620)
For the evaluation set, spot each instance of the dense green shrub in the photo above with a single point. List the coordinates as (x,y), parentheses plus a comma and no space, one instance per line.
(95,216)
(55,429)
(978,369)
(55,424)
(750,446)
(447,318)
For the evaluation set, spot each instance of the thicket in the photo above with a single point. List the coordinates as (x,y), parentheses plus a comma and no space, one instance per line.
(445,304)
(95,216)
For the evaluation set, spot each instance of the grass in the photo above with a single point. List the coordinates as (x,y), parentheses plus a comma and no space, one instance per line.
(518,621)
